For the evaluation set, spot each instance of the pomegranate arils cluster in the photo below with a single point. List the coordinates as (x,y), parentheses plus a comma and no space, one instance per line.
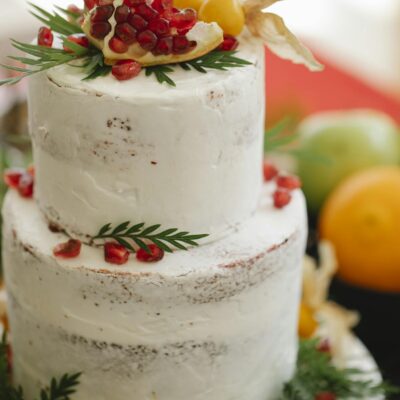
(285,185)
(20,179)
(157,27)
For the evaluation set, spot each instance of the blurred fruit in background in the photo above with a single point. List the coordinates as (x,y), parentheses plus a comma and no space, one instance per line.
(347,141)
(362,219)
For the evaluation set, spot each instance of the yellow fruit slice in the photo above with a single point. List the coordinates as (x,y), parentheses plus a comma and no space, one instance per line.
(195,4)
(307,322)
(208,36)
(228,14)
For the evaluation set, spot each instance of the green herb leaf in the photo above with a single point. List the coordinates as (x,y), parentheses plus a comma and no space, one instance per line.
(218,60)
(316,373)
(129,234)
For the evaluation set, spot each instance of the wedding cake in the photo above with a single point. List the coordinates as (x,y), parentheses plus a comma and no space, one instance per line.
(215,322)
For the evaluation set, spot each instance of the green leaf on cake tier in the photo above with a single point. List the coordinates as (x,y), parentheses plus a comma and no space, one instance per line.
(133,236)
(316,374)
(217,60)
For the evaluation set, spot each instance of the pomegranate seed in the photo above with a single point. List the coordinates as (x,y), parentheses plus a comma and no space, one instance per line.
(138,22)
(147,12)
(270,171)
(156,254)
(164,46)
(161,5)
(133,3)
(159,26)
(147,40)
(126,69)
(102,13)
(105,2)
(325,346)
(115,253)
(25,185)
(170,12)
(90,4)
(82,41)
(70,249)
(45,37)
(12,176)
(122,13)
(282,198)
(117,45)
(126,33)
(230,43)
(100,30)
(325,396)
(182,44)
(184,20)
(288,182)
(72,8)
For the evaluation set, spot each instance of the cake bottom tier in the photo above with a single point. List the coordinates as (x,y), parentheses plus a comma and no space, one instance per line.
(215,323)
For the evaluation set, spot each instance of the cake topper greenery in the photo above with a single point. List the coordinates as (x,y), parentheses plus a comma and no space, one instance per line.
(316,378)
(122,37)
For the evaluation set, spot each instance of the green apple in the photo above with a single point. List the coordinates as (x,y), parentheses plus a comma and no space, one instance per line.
(338,144)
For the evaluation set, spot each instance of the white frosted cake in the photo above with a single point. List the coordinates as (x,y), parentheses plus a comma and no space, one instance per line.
(215,322)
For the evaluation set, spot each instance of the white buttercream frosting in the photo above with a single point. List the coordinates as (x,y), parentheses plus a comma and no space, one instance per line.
(215,323)
(187,157)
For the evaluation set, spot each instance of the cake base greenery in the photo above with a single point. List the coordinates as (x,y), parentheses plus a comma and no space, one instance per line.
(315,376)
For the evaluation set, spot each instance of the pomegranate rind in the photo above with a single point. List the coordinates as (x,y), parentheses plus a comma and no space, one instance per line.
(208,37)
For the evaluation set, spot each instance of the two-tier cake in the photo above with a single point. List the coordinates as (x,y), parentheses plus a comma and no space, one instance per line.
(215,322)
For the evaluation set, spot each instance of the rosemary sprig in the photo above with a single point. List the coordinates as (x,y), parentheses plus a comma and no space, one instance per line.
(218,60)
(128,234)
(315,374)
(58,389)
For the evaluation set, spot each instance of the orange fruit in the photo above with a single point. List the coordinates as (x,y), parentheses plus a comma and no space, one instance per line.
(307,322)
(362,219)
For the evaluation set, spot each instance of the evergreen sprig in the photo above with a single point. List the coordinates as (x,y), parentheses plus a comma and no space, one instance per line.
(58,389)
(128,235)
(316,374)
(217,60)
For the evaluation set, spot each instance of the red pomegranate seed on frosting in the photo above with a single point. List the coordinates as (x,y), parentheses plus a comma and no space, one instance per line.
(82,41)
(325,396)
(102,13)
(70,249)
(122,13)
(115,253)
(282,198)
(288,182)
(270,172)
(138,22)
(126,33)
(230,43)
(25,185)
(45,37)
(126,69)
(12,176)
(117,45)
(156,254)
(147,39)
